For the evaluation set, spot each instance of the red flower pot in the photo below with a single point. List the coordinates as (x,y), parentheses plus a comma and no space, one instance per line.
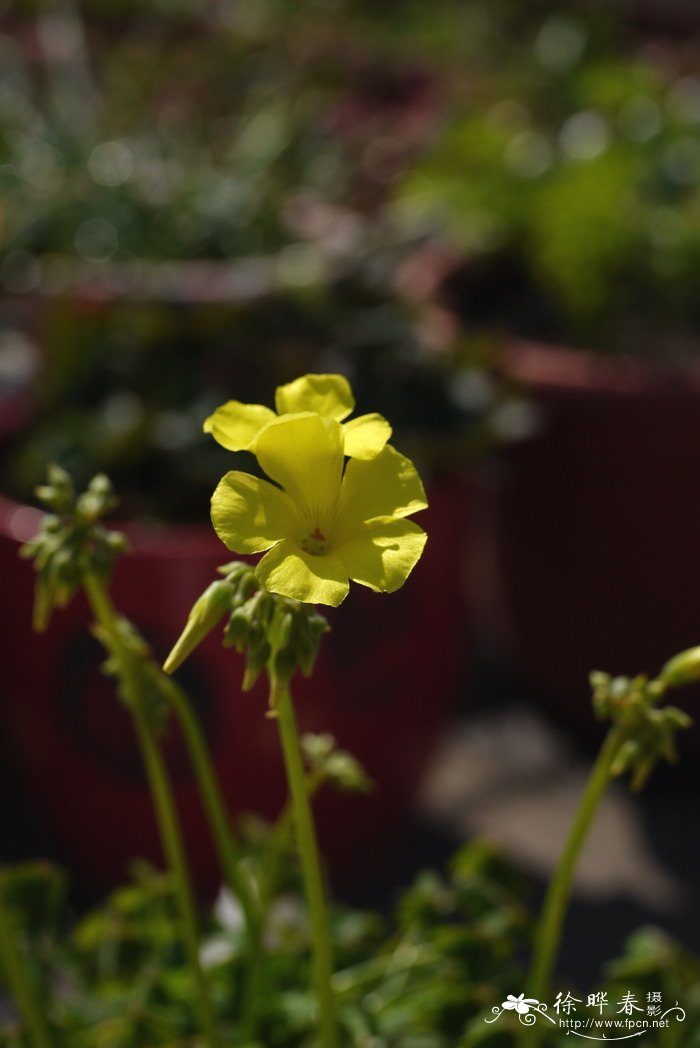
(385,681)
(597,523)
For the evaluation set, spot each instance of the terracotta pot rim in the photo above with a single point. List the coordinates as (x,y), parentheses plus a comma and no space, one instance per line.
(566,370)
(20,522)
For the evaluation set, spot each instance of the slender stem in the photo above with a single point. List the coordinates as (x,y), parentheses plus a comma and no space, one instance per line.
(218,819)
(164,803)
(212,798)
(549,927)
(281,835)
(21,984)
(177,863)
(376,969)
(310,863)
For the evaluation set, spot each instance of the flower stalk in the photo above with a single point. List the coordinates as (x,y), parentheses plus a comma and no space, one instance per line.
(322,960)
(21,984)
(278,636)
(640,734)
(166,812)
(212,800)
(550,924)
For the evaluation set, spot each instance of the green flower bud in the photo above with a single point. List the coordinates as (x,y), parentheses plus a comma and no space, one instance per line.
(317,747)
(247,585)
(58,477)
(101,485)
(89,507)
(682,669)
(258,654)
(116,541)
(236,629)
(284,663)
(206,613)
(234,570)
(58,494)
(280,630)
(345,772)
(626,757)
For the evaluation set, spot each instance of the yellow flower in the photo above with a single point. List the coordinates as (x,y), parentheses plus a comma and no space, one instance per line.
(237,426)
(327,522)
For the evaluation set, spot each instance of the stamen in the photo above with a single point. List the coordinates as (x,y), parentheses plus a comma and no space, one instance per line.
(315,543)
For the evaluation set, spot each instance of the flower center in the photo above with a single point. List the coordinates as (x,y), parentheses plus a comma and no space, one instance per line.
(315,543)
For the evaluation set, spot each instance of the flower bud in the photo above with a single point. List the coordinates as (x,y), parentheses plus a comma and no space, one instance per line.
(206,613)
(682,669)
(317,747)
(256,659)
(236,629)
(347,773)
(247,585)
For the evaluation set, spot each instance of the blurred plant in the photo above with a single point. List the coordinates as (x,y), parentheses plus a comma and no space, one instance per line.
(566,181)
(198,198)
(146,970)
(187,130)
(642,732)
(367,181)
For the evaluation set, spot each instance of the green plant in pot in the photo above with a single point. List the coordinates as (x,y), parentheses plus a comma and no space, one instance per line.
(190,209)
(563,184)
(567,178)
(275,964)
(74,722)
(195,215)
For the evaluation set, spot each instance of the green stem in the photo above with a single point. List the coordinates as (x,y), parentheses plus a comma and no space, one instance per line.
(212,799)
(549,927)
(280,837)
(219,824)
(177,863)
(166,812)
(365,974)
(21,984)
(322,959)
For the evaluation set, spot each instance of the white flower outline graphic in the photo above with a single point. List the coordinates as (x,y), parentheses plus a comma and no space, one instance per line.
(520,1004)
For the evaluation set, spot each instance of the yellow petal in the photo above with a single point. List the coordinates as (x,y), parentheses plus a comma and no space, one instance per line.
(249,515)
(366,435)
(329,395)
(235,426)
(304,453)
(384,486)
(288,570)
(384,554)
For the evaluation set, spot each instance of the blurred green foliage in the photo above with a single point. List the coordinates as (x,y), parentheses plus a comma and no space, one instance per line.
(194,206)
(426,978)
(203,200)
(573,166)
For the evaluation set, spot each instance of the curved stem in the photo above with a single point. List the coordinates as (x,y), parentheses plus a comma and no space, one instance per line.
(21,984)
(281,702)
(212,799)
(218,819)
(166,812)
(177,863)
(549,927)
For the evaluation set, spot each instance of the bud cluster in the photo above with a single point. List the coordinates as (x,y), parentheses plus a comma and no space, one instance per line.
(71,542)
(650,729)
(274,632)
(328,764)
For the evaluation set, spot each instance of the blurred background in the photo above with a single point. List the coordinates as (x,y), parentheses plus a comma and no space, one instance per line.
(487,215)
